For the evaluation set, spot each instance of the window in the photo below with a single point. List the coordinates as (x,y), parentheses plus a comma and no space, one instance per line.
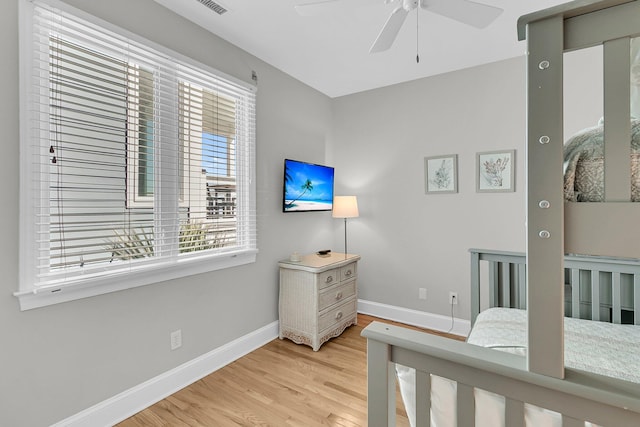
(137,163)
(140,142)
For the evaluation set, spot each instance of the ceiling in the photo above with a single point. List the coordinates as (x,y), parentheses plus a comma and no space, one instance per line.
(330,52)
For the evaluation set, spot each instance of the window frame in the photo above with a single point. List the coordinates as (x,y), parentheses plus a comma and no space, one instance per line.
(32,293)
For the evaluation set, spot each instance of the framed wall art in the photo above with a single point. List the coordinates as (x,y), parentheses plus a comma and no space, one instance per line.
(495,171)
(441,174)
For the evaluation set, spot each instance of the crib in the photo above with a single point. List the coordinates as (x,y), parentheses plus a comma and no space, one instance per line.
(601,284)
(595,287)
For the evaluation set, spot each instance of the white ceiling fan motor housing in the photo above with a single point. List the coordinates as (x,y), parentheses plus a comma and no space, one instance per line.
(410,5)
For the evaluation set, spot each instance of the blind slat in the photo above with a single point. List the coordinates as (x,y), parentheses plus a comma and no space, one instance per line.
(138,156)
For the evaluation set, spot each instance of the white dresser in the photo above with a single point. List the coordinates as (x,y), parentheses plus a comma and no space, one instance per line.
(318,297)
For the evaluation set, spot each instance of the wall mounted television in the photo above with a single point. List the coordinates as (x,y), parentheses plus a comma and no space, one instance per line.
(307,187)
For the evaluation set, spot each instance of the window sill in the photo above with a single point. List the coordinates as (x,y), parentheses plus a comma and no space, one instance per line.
(45,296)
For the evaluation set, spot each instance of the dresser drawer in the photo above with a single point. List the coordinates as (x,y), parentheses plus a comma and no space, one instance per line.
(349,271)
(318,297)
(336,294)
(337,314)
(328,278)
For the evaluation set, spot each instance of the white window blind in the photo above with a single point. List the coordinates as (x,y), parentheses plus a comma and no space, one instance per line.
(137,162)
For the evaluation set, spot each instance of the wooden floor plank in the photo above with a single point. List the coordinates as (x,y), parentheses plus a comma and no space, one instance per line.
(279,384)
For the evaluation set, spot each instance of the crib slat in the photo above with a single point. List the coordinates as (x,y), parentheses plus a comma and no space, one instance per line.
(391,393)
(475,286)
(575,293)
(636,299)
(595,295)
(513,413)
(516,285)
(571,422)
(506,284)
(493,284)
(616,297)
(522,286)
(466,406)
(380,376)
(423,399)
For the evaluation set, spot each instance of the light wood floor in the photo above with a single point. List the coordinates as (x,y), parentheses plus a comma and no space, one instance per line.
(279,384)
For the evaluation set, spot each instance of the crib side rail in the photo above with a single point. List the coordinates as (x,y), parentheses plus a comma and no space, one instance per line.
(598,288)
(579,397)
(506,272)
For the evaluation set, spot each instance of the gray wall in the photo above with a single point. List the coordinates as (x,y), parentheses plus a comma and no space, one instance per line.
(59,360)
(410,240)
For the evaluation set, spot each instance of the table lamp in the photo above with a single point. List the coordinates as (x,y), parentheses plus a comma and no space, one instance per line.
(345,207)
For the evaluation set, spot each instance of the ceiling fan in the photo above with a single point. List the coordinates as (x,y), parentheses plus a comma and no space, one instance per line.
(468,12)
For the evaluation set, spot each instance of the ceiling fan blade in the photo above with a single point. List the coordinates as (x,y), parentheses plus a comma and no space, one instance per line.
(327,7)
(390,30)
(475,14)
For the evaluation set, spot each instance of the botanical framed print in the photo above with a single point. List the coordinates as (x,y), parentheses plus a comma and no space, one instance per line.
(441,174)
(495,171)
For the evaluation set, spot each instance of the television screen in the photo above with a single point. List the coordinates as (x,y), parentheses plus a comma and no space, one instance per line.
(307,187)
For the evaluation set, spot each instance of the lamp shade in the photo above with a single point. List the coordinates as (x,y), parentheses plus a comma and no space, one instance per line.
(345,207)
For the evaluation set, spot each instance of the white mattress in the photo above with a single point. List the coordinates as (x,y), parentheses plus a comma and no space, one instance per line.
(599,347)
(603,348)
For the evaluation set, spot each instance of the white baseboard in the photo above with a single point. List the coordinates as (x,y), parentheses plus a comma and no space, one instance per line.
(422,319)
(134,400)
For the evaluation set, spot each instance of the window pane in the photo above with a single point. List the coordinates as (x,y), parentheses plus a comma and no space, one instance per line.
(87,123)
(215,155)
(207,124)
(131,155)
(145,135)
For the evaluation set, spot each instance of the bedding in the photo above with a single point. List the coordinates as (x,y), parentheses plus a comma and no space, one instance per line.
(584,164)
(603,348)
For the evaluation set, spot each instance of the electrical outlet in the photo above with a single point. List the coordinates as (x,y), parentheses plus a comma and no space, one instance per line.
(422,293)
(176,339)
(453,298)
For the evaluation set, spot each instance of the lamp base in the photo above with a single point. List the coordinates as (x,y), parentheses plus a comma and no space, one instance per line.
(345,237)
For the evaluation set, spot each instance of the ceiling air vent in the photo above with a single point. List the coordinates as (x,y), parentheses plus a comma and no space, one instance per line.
(216,7)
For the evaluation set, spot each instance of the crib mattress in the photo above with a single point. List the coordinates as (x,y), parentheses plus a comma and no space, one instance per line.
(599,347)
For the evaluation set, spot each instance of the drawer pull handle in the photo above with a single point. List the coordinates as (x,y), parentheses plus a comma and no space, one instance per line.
(329,279)
(348,273)
(339,315)
(338,295)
